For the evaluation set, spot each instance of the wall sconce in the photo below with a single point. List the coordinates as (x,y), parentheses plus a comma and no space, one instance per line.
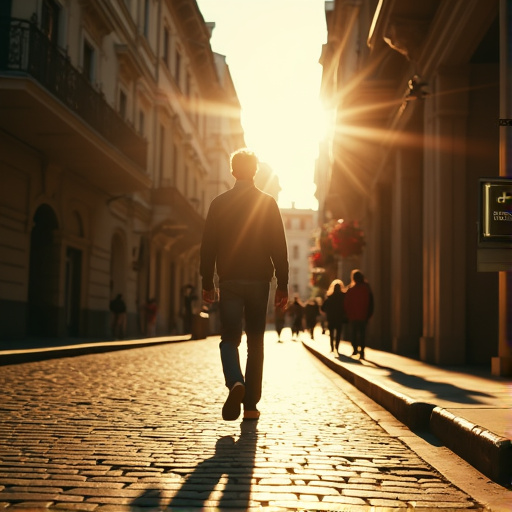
(416,89)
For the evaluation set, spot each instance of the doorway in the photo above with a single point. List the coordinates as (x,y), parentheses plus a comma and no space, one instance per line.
(73,289)
(42,315)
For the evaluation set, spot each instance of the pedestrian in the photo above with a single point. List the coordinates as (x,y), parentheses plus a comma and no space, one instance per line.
(118,320)
(359,309)
(188,299)
(151,311)
(296,311)
(311,313)
(279,319)
(333,307)
(244,240)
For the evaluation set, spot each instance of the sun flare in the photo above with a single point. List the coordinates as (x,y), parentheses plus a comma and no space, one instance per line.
(272,48)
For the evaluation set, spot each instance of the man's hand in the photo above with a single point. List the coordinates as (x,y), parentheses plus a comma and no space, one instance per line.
(281,299)
(209,296)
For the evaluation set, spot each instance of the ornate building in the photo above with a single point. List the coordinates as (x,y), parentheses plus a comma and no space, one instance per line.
(116,125)
(414,88)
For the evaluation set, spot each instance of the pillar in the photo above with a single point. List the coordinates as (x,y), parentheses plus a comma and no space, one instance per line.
(444,246)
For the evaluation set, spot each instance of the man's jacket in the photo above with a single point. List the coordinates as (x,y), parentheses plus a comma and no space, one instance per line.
(244,238)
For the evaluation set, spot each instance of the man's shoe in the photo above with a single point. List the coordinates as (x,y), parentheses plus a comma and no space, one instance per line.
(354,352)
(253,414)
(231,408)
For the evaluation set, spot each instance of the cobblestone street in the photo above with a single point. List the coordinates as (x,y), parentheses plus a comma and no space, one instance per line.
(141,428)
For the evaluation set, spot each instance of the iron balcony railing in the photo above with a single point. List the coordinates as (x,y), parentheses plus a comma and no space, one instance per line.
(25,50)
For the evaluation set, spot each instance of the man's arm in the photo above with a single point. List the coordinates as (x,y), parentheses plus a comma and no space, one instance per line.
(279,257)
(208,252)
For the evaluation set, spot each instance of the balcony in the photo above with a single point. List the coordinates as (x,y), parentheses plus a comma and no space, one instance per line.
(48,104)
(175,217)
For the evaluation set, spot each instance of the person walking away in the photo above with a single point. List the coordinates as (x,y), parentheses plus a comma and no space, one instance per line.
(151,310)
(279,318)
(244,240)
(311,313)
(334,310)
(188,298)
(118,321)
(359,309)
(296,311)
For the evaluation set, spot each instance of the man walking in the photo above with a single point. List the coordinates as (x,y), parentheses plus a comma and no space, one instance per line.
(244,242)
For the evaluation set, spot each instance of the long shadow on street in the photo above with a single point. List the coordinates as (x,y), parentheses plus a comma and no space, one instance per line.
(233,460)
(441,389)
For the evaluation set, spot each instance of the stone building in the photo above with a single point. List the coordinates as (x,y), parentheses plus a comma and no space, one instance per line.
(299,225)
(116,125)
(416,90)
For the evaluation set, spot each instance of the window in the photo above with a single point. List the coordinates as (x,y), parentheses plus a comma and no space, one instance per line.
(142,121)
(165,49)
(161,158)
(88,61)
(50,20)
(146,18)
(295,252)
(174,164)
(177,68)
(123,100)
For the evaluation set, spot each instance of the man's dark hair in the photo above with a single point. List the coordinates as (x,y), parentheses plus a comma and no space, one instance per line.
(244,164)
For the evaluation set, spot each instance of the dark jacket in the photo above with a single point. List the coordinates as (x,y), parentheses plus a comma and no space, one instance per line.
(244,238)
(333,307)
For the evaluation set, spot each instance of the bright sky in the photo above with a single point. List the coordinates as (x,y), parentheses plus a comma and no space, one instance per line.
(272,48)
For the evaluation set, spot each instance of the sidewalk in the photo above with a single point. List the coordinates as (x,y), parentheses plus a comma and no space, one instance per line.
(38,349)
(467,409)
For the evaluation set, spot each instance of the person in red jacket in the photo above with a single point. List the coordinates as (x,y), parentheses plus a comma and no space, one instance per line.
(359,309)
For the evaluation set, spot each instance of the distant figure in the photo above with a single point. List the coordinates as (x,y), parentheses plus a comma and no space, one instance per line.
(151,310)
(311,314)
(118,321)
(359,309)
(334,310)
(296,310)
(279,319)
(187,312)
(244,242)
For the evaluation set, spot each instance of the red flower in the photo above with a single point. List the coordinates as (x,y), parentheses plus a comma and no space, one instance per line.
(347,238)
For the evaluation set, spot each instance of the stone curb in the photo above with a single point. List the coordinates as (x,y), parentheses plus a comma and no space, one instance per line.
(487,452)
(41,354)
(490,453)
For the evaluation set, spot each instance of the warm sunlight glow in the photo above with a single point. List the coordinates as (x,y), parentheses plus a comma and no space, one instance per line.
(272,48)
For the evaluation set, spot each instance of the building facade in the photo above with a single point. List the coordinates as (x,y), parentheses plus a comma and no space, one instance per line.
(299,225)
(117,121)
(414,88)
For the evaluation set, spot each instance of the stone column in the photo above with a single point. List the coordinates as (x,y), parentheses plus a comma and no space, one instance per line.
(406,246)
(443,340)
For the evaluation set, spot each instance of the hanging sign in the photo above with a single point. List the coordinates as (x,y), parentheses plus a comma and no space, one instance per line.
(496,210)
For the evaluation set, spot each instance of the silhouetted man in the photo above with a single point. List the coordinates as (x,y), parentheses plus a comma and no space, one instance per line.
(244,241)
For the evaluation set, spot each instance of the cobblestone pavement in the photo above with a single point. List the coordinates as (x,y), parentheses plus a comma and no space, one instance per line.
(141,429)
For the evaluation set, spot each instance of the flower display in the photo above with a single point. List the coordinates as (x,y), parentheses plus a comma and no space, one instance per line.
(347,238)
(316,258)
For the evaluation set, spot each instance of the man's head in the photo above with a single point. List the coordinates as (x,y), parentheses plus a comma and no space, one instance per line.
(244,164)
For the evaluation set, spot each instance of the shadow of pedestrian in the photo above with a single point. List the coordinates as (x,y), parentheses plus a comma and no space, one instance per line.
(222,481)
(441,389)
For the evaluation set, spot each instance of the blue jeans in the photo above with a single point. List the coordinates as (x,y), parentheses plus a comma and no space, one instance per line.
(239,302)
